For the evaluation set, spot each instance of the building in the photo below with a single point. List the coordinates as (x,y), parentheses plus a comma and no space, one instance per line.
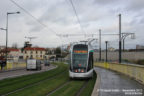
(34,52)
(111,49)
(12,53)
(2,47)
(139,47)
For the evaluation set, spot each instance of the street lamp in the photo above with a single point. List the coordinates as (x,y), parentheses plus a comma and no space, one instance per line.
(2,62)
(3,29)
(99,44)
(106,49)
(124,35)
(120,38)
(8,13)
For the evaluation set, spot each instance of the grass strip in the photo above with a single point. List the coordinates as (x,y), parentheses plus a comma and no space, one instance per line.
(8,81)
(44,87)
(74,86)
(70,89)
(30,79)
(89,88)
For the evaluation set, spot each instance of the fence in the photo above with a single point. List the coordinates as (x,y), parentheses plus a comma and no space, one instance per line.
(14,65)
(134,71)
(113,56)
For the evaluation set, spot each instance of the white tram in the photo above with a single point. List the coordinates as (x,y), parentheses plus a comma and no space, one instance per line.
(81,61)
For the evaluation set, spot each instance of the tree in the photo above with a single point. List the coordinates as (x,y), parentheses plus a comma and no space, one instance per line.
(15,45)
(58,51)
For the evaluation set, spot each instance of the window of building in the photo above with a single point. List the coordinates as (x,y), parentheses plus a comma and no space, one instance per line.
(31,56)
(36,52)
(41,52)
(25,52)
(31,52)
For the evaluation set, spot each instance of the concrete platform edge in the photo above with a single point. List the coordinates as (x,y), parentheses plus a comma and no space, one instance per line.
(96,86)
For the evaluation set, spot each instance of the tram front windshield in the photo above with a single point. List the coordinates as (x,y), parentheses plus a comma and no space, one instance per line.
(80,55)
(79,60)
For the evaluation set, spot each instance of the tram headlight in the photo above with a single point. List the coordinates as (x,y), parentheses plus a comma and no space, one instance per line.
(82,70)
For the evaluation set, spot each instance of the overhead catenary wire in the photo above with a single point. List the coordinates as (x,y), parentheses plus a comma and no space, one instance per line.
(74,9)
(45,26)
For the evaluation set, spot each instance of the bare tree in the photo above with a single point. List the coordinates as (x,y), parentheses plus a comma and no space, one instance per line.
(15,45)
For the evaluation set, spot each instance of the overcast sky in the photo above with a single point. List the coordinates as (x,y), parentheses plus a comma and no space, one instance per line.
(58,17)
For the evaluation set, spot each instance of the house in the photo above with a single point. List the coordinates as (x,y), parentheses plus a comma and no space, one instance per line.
(34,52)
(12,53)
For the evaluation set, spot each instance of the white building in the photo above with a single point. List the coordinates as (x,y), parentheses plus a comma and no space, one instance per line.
(34,52)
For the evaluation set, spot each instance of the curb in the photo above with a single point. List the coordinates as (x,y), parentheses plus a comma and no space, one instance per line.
(1,71)
(97,86)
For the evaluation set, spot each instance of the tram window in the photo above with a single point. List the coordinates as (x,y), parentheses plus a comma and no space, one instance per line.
(90,63)
(79,57)
(79,60)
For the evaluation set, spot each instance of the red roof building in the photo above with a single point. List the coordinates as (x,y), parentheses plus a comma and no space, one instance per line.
(34,52)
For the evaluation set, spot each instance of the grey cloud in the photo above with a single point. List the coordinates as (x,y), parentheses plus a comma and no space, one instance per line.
(36,29)
(105,1)
(58,13)
(135,5)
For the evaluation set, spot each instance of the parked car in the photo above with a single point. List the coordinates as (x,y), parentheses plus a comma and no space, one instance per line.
(46,62)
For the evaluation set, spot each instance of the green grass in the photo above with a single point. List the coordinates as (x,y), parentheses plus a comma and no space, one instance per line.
(43,88)
(74,86)
(12,84)
(70,89)
(89,88)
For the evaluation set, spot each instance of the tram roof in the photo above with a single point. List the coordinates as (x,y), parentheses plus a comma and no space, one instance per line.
(83,43)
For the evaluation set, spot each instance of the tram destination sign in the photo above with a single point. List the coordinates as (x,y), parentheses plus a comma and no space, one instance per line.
(80,51)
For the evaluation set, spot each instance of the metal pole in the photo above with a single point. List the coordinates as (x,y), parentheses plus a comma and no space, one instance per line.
(6,38)
(119,38)
(106,49)
(99,44)
(61,48)
(123,45)
(61,53)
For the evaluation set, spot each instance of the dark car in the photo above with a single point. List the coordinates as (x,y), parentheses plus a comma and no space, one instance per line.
(46,62)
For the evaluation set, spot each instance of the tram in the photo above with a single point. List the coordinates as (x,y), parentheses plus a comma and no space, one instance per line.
(81,61)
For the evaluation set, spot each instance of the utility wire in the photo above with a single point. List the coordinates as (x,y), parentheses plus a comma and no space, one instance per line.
(77,16)
(45,26)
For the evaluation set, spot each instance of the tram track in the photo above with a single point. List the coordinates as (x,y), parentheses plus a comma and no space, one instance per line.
(82,88)
(33,84)
(59,87)
(66,86)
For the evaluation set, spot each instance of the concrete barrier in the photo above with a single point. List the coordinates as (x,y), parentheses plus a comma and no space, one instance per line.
(134,71)
(11,65)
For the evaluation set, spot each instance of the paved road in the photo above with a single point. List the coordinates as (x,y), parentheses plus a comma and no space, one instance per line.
(15,73)
(115,84)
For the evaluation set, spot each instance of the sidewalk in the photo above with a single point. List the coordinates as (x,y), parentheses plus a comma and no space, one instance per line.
(115,84)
